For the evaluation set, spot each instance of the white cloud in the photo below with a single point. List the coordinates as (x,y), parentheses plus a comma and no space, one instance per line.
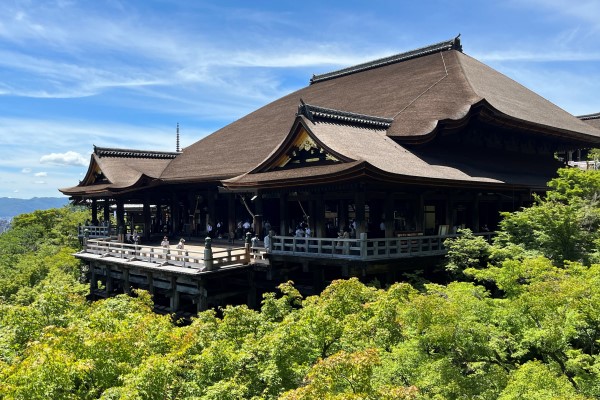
(40,174)
(68,158)
(40,182)
(26,170)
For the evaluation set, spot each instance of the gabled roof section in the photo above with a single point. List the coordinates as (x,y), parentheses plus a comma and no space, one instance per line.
(114,170)
(591,119)
(452,44)
(301,148)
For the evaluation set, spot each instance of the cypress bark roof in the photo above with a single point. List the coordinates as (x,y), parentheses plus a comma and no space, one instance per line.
(112,170)
(591,119)
(418,95)
(373,153)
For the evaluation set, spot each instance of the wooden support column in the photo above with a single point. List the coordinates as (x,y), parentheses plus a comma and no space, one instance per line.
(126,285)
(147,219)
(231,222)
(174,300)
(421,212)
(283,214)
(258,215)
(359,205)
(106,210)
(450,217)
(251,299)
(388,210)
(159,218)
(343,215)
(150,280)
(318,275)
(94,212)
(175,214)
(201,299)
(121,214)
(93,280)
(109,282)
(319,216)
(475,213)
(212,210)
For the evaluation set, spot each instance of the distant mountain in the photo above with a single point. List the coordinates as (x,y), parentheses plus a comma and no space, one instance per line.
(10,207)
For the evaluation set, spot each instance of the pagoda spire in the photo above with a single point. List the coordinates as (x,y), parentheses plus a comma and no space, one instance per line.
(177,143)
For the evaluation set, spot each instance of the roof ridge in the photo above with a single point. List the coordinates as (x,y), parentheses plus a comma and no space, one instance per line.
(133,153)
(589,116)
(452,44)
(311,111)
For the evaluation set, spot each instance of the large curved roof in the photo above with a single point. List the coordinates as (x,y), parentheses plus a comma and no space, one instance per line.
(418,92)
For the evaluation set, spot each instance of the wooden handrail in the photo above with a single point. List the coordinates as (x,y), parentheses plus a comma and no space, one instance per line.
(163,256)
(363,249)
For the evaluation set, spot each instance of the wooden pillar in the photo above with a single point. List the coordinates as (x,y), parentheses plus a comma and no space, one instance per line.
(94,212)
(283,214)
(120,214)
(109,281)
(231,222)
(174,300)
(450,217)
(175,214)
(251,299)
(106,211)
(359,206)
(388,210)
(121,229)
(93,280)
(201,299)
(147,219)
(475,213)
(343,215)
(420,212)
(212,211)
(159,218)
(126,286)
(319,216)
(318,275)
(258,215)
(150,280)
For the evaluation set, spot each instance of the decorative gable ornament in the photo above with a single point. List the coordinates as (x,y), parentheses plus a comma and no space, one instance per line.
(304,151)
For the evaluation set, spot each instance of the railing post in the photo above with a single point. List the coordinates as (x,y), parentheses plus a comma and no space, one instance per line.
(208,254)
(363,245)
(247,248)
(86,237)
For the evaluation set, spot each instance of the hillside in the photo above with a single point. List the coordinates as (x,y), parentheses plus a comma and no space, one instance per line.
(10,207)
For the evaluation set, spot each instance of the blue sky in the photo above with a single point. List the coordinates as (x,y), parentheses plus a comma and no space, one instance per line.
(112,73)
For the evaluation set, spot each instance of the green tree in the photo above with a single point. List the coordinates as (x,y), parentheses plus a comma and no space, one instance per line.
(466,251)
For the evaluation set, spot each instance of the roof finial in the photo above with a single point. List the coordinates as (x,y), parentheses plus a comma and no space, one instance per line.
(177,145)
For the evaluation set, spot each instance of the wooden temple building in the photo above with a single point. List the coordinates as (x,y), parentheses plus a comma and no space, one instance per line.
(398,152)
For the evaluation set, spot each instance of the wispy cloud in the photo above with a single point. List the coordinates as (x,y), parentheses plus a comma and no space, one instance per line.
(68,158)
(40,174)
(586,11)
(538,56)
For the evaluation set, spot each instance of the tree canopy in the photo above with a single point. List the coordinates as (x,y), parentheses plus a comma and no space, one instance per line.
(519,320)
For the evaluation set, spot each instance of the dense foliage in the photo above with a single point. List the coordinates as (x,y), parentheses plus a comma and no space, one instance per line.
(521,321)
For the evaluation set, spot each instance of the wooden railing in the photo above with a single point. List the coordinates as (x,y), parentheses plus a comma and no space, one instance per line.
(363,249)
(167,256)
(93,231)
